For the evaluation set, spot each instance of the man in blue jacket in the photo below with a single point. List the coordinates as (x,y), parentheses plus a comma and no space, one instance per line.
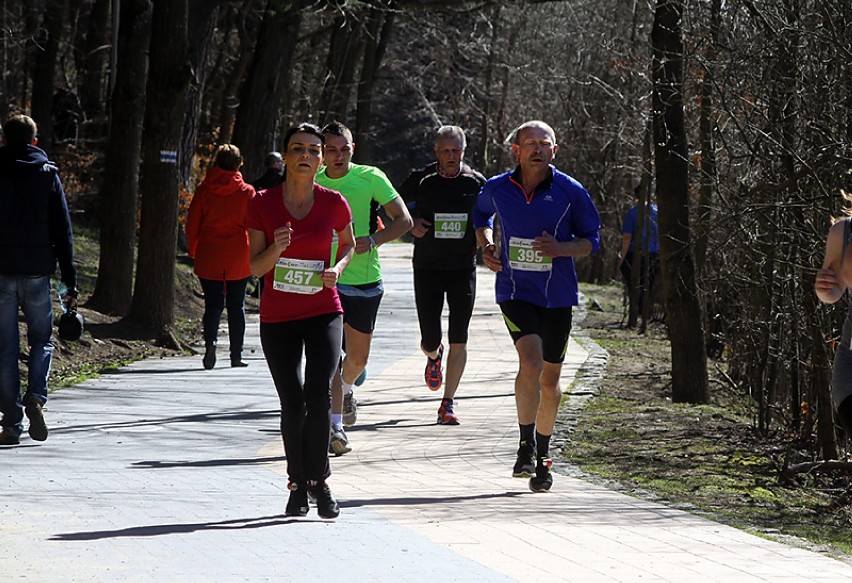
(546,218)
(35,233)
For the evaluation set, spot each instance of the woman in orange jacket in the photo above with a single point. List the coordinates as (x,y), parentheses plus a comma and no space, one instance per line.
(218,241)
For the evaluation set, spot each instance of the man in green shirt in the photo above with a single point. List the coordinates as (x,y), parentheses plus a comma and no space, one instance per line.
(366,188)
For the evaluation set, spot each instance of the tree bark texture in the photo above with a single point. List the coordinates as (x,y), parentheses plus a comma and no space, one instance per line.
(257,115)
(44,73)
(202,22)
(120,191)
(97,54)
(379,28)
(168,82)
(683,309)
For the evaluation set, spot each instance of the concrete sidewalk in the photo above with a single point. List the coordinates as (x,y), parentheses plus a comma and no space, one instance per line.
(167,472)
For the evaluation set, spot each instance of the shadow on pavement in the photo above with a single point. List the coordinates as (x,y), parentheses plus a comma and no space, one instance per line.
(164,529)
(157,465)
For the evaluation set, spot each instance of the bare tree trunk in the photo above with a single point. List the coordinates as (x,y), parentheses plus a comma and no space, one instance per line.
(347,38)
(378,33)
(229,102)
(168,82)
(97,52)
(44,73)
(202,23)
(480,158)
(120,190)
(256,119)
(707,126)
(686,327)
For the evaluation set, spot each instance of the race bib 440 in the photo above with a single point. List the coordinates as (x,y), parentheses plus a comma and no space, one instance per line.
(450,225)
(523,257)
(298,276)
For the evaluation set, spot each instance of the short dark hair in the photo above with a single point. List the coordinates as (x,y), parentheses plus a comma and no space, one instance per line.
(303,128)
(271,159)
(336,128)
(20,130)
(228,157)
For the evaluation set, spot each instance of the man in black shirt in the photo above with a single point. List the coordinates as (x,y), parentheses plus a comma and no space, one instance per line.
(274,173)
(441,197)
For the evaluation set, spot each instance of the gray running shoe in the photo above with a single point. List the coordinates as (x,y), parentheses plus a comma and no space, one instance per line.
(350,410)
(338,444)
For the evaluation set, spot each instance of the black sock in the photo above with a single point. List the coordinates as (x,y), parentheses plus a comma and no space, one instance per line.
(528,434)
(542,448)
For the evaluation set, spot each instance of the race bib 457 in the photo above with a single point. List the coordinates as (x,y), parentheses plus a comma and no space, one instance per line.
(298,276)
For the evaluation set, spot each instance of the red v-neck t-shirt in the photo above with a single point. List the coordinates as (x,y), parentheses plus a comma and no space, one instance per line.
(310,240)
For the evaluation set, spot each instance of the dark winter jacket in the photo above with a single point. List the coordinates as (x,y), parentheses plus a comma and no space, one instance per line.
(35,227)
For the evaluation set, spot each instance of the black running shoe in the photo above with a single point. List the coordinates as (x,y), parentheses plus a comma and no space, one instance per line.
(209,360)
(35,413)
(525,464)
(327,506)
(297,505)
(543,479)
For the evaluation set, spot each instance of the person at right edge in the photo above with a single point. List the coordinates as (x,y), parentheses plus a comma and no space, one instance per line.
(546,219)
(35,233)
(832,282)
(441,198)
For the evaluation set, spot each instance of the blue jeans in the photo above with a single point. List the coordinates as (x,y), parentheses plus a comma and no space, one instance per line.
(218,295)
(33,296)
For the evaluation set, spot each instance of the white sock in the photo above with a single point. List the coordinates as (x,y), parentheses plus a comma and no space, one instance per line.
(337,421)
(348,388)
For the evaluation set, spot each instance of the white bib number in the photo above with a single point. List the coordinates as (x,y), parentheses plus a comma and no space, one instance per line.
(450,225)
(523,257)
(298,276)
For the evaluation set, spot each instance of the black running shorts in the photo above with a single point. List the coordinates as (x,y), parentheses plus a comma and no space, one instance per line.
(552,325)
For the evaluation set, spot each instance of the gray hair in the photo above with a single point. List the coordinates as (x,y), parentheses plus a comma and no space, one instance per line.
(513,137)
(451,133)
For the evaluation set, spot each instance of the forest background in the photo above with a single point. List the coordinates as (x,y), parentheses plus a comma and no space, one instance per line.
(734,116)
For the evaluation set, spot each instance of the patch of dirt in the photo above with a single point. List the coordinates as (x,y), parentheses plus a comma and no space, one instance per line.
(705,458)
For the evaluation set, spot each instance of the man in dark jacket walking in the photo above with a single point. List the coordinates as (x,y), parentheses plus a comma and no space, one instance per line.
(35,233)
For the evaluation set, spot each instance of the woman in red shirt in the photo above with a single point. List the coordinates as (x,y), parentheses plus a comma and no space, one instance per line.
(290,238)
(218,240)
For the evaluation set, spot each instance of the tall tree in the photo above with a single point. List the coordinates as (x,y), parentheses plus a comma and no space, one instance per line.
(377,32)
(169,75)
(344,52)
(247,26)
(202,22)
(97,52)
(44,73)
(683,309)
(120,190)
(255,127)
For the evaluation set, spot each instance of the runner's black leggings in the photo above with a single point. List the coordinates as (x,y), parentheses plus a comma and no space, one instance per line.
(430,285)
(841,376)
(304,404)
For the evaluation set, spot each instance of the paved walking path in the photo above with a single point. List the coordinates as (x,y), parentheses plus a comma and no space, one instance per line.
(165,472)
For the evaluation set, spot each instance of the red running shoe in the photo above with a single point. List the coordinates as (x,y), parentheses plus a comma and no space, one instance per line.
(446,414)
(434,375)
